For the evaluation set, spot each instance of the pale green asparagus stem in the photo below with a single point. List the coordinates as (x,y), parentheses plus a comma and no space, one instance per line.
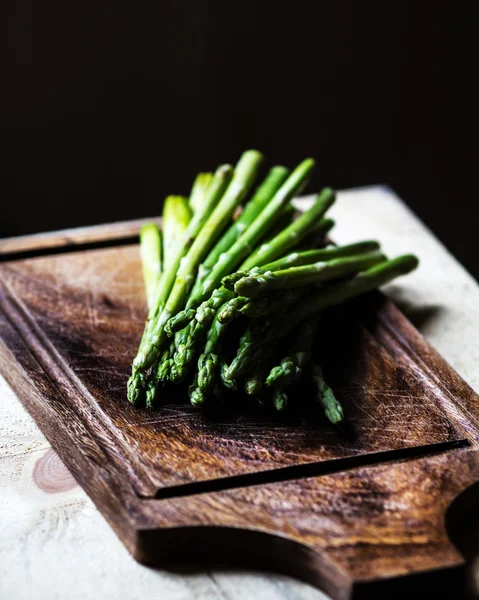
(175,221)
(244,177)
(263,194)
(317,237)
(266,283)
(290,237)
(218,186)
(216,190)
(199,191)
(306,257)
(150,252)
(252,235)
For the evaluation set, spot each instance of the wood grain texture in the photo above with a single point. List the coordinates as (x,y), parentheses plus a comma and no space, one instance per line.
(70,324)
(68,239)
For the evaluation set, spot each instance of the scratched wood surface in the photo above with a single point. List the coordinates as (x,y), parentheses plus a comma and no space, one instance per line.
(69,327)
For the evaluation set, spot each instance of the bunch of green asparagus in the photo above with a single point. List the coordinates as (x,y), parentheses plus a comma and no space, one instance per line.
(236,251)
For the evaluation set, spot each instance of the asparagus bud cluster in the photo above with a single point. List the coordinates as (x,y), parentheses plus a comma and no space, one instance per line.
(236,250)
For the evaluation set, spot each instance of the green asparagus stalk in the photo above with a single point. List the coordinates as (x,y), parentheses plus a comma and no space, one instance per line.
(268,252)
(254,380)
(291,366)
(229,384)
(284,220)
(280,400)
(208,361)
(216,190)
(317,301)
(232,309)
(268,282)
(260,307)
(269,186)
(262,221)
(307,257)
(297,231)
(244,177)
(271,305)
(220,182)
(199,191)
(317,236)
(229,307)
(195,335)
(176,218)
(197,397)
(150,252)
(324,395)
(151,393)
(164,365)
(263,194)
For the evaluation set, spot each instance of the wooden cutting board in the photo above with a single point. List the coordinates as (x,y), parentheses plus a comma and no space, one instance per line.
(361,511)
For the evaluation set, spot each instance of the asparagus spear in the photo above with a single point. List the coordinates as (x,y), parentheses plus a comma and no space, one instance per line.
(271,305)
(176,218)
(268,252)
(293,234)
(221,180)
(262,223)
(286,218)
(150,252)
(317,235)
(254,380)
(264,283)
(260,199)
(288,279)
(244,177)
(232,309)
(199,191)
(291,366)
(208,362)
(255,308)
(197,397)
(306,257)
(151,393)
(324,395)
(280,400)
(317,301)
(229,384)
(195,334)
(264,193)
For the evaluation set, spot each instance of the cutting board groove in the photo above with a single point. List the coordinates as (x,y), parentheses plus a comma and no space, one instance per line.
(308,470)
(355,511)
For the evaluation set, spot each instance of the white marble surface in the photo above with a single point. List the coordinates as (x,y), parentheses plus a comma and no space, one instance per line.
(54,544)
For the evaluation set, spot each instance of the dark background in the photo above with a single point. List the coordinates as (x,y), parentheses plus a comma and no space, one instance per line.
(108,107)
